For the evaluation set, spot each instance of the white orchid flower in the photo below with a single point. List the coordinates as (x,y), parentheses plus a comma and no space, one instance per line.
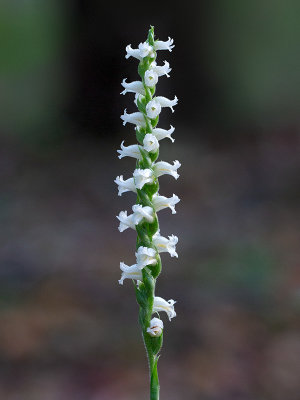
(167,45)
(136,118)
(161,304)
(125,186)
(163,167)
(160,133)
(133,87)
(153,109)
(145,50)
(150,143)
(126,221)
(142,176)
(164,102)
(165,245)
(130,151)
(151,78)
(161,202)
(156,327)
(140,213)
(161,70)
(130,272)
(145,256)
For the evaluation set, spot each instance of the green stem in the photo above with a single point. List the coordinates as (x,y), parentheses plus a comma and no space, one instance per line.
(152,359)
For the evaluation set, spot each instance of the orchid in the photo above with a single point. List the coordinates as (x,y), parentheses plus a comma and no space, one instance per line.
(144,182)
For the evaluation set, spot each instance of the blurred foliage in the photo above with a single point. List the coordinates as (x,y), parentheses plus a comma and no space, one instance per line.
(253,53)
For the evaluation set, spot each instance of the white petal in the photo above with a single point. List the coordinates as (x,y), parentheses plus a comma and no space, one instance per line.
(156,327)
(136,118)
(150,143)
(130,272)
(162,168)
(151,78)
(145,49)
(125,186)
(165,245)
(161,304)
(161,70)
(160,133)
(130,52)
(161,202)
(126,221)
(160,45)
(153,109)
(134,87)
(130,151)
(142,176)
(145,256)
(164,102)
(140,213)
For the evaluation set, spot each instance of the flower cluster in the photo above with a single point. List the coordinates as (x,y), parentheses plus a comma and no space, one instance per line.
(144,182)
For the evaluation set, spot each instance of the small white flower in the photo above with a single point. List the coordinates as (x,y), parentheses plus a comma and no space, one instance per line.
(163,133)
(125,186)
(156,327)
(130,272)
(163,167)
(130,52)
(136,118)
(151,78)
(161,304)
(133,87)
(164,102)
(165,245)
(142,176)
(126,221)
(145,50)
(130,151)
(161,202)
(136,97)
(153,108)
(145,256)
(161,70)
(140,213)
(150,143)
(160,45)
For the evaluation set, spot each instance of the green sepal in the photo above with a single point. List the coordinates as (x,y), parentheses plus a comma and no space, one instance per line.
(151,188)
(146,160)
(156,343)
(148,125)
(149,284)
(143,236)
(141,297)
(154,156)
(154,121)
(153,227)
(144,198)
(150,38)
(140,134)
(143,66)
(152,90)
(141,104)
(148,93)
(156,268)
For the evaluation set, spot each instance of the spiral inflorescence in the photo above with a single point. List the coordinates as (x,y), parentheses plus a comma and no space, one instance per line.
(144,182)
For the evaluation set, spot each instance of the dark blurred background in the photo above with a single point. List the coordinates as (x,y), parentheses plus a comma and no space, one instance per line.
(67,329)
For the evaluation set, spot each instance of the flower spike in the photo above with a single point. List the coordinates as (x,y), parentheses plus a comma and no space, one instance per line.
(144,182)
